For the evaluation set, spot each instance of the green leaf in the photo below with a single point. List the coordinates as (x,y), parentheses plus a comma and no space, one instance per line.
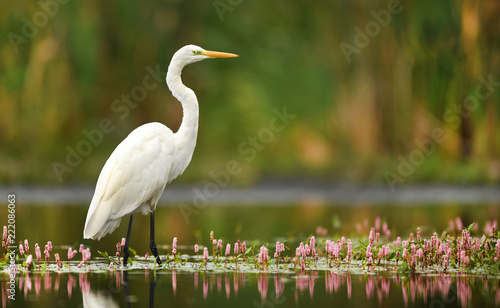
(469,228)
(103,254)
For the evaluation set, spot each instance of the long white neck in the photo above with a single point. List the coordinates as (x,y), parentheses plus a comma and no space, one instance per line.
(185,137)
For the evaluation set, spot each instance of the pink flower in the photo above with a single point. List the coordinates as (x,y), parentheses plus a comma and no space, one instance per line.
(321,231)
(243,246)
(174,246)
(418,234)
(312,241)
(111,265)
(446,261)
(205,253)
(381,252)
(219,244)
(236,249)
(349,249)
(263,255)
(327,247)
(368,251)
(371,237)
(85,255)
(228,249)
(466,260)
(21,250)
(26,246)
(420,253)
(118,248)
(462,256)
(451,225)
(211,236)
(49,246)
(458,223)
(81,248)
(377,223)
(196,248)
(146,256)
(58,259)
(4,237)
(29,260)
(37,252)
(124,240)
(413,248)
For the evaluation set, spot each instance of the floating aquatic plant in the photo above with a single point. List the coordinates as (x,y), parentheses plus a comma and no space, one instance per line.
(454,250)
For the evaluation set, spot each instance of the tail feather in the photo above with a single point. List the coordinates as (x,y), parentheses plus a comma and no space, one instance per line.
(99,224)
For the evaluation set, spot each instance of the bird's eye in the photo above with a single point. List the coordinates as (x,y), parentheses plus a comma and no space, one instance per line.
(196,52)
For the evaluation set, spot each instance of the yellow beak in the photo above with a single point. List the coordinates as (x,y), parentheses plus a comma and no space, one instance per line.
(217,54)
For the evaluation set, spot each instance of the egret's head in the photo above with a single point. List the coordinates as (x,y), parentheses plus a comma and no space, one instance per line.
(192,53)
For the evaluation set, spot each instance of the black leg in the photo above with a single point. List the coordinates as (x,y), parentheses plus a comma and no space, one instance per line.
(152,286)
(125,284)
(125,249)
(152,243)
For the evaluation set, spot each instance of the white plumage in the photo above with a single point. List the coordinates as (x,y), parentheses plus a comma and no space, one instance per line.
(135,175)
(133,178)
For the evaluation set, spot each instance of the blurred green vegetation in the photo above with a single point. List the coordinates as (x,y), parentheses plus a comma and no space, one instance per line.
(355,120)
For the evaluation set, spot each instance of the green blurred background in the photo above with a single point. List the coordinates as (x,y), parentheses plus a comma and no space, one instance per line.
(363,112)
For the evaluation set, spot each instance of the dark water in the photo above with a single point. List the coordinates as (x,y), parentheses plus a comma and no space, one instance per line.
(63,225)
(180,288)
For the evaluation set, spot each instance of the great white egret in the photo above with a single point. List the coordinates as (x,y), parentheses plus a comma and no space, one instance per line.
(135,175)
